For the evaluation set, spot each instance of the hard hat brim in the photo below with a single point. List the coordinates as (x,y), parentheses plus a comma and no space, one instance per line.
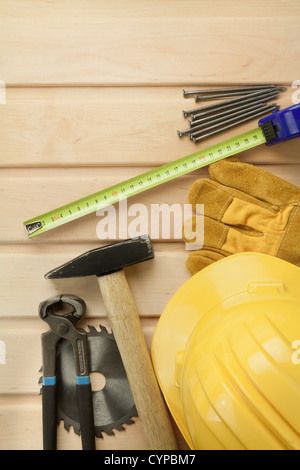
(243,273)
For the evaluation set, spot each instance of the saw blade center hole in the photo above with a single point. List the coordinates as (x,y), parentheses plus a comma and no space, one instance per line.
(98,381)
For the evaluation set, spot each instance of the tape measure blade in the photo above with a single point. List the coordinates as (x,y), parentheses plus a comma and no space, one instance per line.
(143,182)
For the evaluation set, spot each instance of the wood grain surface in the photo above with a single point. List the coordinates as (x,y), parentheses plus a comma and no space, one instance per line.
(94,97)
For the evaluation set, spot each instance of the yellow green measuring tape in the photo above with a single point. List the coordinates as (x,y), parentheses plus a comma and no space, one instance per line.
(274,128)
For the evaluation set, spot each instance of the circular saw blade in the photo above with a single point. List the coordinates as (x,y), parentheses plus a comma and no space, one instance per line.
(114,404)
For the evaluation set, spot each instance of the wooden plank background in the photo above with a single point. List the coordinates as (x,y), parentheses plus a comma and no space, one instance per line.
(93,97)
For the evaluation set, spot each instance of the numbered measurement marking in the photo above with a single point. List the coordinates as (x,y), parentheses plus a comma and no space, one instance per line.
(143,182)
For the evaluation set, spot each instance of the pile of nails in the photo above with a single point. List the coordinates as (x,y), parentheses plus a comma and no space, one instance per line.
(245,104)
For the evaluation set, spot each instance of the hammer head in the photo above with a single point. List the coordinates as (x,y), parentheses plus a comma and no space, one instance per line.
(106,260)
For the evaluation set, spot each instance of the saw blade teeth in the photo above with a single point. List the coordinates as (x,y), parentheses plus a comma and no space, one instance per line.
(106,430)
(105,332)
(102,343)
(129,421)
(117,426)
(92,329)
(66,425)
(76,429)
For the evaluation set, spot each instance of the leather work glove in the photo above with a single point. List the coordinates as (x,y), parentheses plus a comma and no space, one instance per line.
(245,209)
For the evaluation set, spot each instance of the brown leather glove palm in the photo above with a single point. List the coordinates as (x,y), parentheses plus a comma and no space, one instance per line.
(245,209)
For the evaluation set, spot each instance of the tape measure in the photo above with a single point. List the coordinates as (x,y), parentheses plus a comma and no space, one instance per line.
(279,126)
(143,182)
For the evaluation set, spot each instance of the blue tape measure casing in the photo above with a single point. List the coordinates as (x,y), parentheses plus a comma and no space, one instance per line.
(281,125)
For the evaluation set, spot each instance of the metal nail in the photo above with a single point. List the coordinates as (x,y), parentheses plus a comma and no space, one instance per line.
(241,100)
(230,109)
(254,95)
(195,132)
(221,90)
(225,95)
(220,96)
(231,115)
(182,133)
(205,136)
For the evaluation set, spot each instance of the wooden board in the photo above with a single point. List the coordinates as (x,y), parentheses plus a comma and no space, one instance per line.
(108,127)
(58,44)
(93,97)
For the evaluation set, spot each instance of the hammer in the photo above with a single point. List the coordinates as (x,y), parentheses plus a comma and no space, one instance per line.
(107,264)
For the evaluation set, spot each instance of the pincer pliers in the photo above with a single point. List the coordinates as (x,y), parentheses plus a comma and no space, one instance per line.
(63,326)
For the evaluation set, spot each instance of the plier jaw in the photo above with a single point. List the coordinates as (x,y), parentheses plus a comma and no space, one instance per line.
(63,326)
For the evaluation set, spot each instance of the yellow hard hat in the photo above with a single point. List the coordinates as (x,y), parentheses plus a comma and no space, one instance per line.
(225,355)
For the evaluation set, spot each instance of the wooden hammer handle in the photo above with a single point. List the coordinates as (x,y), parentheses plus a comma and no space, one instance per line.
(126,326)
